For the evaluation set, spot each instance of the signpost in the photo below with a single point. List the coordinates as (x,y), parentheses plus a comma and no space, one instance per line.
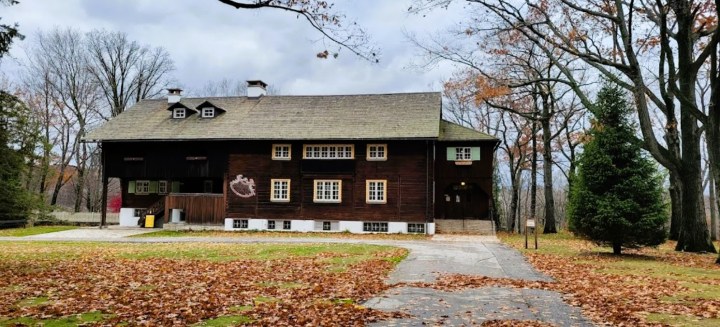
(530,223)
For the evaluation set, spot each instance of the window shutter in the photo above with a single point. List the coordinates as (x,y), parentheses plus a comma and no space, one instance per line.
(451,154)
(175,187)
(475,153)
(153,187)
(131,187)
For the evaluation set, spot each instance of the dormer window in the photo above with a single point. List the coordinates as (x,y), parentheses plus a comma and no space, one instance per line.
(179,113)
(208,112)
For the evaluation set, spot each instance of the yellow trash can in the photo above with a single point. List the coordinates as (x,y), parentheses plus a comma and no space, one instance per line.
(149,221)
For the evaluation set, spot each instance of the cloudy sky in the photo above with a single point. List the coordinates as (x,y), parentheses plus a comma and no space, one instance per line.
(210,41)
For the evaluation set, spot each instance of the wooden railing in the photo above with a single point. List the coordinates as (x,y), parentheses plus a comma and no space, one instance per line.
(156,208)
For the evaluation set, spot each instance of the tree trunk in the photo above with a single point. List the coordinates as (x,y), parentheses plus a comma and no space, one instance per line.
(694,234)
(675,206)
(617,248)
(514,200)
(533,173)
(550,225)
(713,209)
(58,185)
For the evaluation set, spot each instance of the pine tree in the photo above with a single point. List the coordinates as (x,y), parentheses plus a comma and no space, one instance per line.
(15,201)
(616,197)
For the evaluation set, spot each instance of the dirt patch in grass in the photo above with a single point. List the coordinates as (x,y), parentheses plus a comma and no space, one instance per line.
(34,230)
(651,286)
(279,234)
(174,284)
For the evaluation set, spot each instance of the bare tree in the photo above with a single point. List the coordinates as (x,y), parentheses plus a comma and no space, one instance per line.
(62,57)
(227,87)
(125,70)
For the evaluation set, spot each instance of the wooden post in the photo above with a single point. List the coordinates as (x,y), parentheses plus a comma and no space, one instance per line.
(103,210)
(526,235)
(530,223)
(536,234)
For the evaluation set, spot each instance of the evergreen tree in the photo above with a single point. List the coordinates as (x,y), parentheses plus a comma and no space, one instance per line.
(616,197)
(16,144)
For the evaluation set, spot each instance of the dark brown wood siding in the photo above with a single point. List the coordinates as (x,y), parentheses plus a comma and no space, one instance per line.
(478,175)
(408,171)
(166,160)
(199,208)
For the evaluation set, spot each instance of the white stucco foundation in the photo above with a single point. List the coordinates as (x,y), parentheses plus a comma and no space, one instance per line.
(316,226)
(128,218)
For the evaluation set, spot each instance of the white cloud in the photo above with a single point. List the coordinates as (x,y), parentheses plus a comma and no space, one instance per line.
(209,40)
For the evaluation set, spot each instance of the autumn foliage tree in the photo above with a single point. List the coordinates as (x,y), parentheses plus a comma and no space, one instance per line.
(656,51)
(617,197)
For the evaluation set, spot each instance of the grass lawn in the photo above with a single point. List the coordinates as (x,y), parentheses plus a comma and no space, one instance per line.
(216,233)
(200,284)
(646,286)
(34,230)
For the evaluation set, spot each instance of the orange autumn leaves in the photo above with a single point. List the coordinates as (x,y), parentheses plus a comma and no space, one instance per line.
(318,290)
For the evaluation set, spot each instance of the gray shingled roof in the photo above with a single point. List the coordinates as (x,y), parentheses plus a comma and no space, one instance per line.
(450,131)
(375,116)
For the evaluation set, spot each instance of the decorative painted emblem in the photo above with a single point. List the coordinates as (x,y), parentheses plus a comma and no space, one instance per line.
(243,187)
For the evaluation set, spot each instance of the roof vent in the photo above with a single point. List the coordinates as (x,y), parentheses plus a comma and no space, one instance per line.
(256,89)
(174,95)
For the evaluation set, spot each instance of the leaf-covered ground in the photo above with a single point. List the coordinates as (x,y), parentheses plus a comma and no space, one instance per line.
(66,284)
(281,234)
(652,286)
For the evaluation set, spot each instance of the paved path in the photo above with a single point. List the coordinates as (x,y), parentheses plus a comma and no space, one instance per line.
(471,306)
(476,255)
(89,233)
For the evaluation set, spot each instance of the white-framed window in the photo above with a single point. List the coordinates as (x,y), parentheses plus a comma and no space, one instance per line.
(328,151)
(287,224)
(375,227)
(142,187)
(162,187)
(281,152)
(280,190)
(179,113)
(208,112)
(376,191)
(240,223)
(463,153)
(326,225)
(271,224)
(376,152)
(416,228)
(328,191)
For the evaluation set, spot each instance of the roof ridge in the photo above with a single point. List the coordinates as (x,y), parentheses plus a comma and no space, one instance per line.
(296,96)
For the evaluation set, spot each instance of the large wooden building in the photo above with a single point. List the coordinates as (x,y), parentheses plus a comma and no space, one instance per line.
(361,163)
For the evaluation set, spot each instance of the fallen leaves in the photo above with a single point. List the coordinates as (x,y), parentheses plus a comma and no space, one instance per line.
(515,323)
(281,291)
(620,290)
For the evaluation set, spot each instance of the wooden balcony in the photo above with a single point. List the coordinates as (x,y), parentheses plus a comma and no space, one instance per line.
(199,208)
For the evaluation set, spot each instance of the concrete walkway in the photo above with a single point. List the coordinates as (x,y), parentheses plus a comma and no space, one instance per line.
(89,233)
(473,255)
(471,306)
